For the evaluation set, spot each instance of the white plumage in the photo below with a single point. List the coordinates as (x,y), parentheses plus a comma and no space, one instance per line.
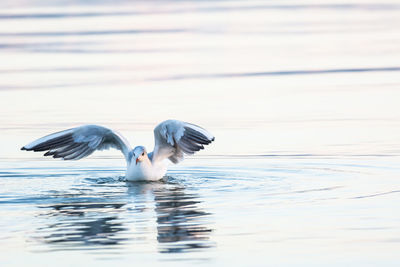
(173,139)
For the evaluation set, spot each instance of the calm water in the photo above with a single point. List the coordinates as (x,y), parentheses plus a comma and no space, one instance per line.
(303,99)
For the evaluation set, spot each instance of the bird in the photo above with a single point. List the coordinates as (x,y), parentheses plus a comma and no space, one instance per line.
(173,140)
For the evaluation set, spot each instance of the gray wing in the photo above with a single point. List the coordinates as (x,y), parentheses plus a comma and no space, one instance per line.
(175,138)
(79,142)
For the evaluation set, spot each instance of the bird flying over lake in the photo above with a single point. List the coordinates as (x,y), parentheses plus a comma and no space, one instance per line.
(173,139)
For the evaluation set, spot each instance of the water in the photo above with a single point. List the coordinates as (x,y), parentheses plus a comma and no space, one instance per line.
(302,98)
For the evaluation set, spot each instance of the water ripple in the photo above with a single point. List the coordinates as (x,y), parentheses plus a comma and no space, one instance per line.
(198,9)
(279,73)
(99,32)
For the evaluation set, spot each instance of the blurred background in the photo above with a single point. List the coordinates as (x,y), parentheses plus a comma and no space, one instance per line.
(302,96)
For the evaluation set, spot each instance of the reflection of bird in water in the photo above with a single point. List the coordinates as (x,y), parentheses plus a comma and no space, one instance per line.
(74,226)
(181,225)
(172,138)
(179,221)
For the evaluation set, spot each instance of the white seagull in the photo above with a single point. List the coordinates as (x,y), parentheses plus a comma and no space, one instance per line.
(172,139)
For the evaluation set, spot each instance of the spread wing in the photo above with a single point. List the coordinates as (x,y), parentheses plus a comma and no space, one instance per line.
(79,142)
(175,138)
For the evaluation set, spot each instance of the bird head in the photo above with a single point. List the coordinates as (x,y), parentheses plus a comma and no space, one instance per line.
(139,154)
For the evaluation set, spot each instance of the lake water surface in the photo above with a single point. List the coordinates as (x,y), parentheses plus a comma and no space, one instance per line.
(303,99)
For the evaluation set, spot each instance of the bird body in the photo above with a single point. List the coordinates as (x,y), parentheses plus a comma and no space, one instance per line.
(146,170)
(173,139)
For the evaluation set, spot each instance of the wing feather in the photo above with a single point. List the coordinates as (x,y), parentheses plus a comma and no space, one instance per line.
(79,142)
(175,138)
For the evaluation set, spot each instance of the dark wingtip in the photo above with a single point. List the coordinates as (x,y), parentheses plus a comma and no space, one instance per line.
(23,148)
(212,140)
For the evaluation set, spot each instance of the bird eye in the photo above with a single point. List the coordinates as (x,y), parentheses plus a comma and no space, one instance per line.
(143,154)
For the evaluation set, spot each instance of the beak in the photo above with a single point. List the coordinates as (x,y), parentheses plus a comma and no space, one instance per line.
(137,160)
